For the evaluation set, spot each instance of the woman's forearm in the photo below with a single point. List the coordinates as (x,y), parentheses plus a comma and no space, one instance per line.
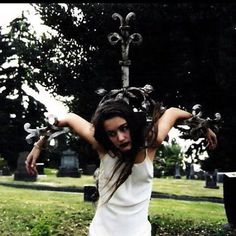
(179,114)
(39,144)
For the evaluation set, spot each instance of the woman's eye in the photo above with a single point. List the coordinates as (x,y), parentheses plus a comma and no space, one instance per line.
(111,133)
(124,128)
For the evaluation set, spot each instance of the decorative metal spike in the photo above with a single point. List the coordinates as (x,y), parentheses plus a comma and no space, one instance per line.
(50,132)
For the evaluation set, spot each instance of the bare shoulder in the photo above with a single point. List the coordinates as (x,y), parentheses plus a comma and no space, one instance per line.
(151,153)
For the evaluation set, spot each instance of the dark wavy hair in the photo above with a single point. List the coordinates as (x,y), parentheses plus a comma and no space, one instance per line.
(142,134)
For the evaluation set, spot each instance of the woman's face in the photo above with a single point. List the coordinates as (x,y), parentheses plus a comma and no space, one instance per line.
(118,132)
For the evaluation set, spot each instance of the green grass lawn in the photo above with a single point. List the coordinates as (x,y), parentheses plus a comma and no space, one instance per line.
(196,211)
(182,186)
(33,212)
(169,185)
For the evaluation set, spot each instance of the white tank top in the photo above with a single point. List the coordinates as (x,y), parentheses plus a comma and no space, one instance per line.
(126,213)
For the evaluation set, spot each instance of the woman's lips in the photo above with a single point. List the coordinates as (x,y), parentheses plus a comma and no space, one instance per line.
(123,145)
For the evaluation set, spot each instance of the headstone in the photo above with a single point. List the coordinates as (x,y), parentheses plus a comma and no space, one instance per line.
(229,191)
(90,193)
(211,179)
(40,168)
(21,173)
(177,171)
(189,171)
(6,170)
(192,172)
(69,164)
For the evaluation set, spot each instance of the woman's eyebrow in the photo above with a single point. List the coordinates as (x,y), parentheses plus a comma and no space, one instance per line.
(121,126)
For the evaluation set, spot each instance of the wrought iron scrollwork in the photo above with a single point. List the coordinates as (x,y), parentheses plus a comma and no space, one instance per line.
(126,40)
(138,97)
(195,127)
(50,132)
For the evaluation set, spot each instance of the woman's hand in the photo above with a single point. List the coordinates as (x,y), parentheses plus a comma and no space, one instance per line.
(211,139)
(31,159)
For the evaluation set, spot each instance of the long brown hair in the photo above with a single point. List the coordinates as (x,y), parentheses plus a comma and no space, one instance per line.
(143,134)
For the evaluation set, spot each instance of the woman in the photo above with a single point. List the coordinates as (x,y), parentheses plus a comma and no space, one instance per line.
(126,148)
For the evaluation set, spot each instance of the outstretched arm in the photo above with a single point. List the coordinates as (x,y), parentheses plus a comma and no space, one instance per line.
(168,120)
(80,126)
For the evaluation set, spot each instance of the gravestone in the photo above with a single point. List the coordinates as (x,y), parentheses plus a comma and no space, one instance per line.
(40,168)
(211,179)
(69,164)
(190,174)
(229,191)
(90,193)
(21,173)
(177,171)
(6,170)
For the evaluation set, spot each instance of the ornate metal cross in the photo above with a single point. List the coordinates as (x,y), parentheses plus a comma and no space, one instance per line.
(125,39)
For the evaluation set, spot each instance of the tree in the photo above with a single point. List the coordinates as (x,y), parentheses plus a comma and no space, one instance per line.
(171,155)
(18,48)
(180,50)
(186,53)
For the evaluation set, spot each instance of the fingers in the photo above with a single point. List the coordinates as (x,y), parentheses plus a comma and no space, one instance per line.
(30,162)
(30,165)
(211,142)
(211,139)
(210,145)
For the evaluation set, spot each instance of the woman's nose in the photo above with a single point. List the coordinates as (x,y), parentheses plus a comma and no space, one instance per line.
(120,136)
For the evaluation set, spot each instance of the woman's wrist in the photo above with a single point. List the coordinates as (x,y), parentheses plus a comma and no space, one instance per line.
(37,146)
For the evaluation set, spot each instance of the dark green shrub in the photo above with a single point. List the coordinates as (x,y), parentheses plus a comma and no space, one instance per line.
(41,229)
(170,226)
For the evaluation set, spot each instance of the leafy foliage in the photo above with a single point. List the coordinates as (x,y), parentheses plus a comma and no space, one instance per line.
(186,55)
(171,155)
(169,226)
(17,49)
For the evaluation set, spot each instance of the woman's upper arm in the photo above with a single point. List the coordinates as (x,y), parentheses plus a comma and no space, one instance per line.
(80,126)
(168,120)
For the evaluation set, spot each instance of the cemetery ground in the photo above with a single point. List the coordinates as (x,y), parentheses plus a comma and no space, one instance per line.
(26,211)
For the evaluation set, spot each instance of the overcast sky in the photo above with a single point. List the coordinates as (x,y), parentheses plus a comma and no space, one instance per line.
(10,11)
